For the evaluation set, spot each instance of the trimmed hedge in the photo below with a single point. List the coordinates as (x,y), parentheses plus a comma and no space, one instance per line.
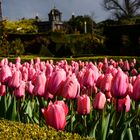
(17,131)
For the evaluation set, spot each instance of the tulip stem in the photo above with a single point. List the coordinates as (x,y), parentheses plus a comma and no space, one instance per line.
(116,120)
(40,106)
(71,109)
(85,123)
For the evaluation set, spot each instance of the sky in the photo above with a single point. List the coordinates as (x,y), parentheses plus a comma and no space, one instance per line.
(17,9)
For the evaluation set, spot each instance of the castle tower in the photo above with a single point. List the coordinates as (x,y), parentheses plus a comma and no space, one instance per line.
(55,19)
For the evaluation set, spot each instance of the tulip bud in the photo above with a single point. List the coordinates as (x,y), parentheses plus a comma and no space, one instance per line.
(71,87)
(55,115)
(120,84)
(40,83)
(136,90)
(55,81)
(99,101)
(83,105)
(20,91)
(124,104)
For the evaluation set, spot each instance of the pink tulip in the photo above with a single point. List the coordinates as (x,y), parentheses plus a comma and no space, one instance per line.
(71,87)
(83,105)
(40,84)
(31,72)
(106,83)
(134,72)
(18,65)
(130,89)
(99,101)
(136,89)
(124,103)
(132,79)
(20,91)
(99,80)
(56,80)
(14,81)
(3,62)
(29,87)
(55,115)
(95,71)
(2,90)
(5,74)
(49,70)
(126,66)
(62,103)
(24,72)
(89,78)
(80,77)
(121,63)
(119,84)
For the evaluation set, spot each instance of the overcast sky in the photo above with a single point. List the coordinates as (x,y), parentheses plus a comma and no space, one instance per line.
(17,9)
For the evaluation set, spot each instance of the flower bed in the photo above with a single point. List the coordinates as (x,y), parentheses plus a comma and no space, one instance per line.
(94,99)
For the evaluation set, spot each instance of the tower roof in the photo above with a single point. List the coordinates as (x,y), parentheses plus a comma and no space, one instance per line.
(55,11)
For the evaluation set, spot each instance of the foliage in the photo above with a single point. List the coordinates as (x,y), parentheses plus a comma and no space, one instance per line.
(17,47)
(76,24)
(17,130)
(20,26)
(4,45)
(75,45)
(34,45)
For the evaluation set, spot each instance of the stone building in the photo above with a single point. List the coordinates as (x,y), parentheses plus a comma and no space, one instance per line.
(54,23)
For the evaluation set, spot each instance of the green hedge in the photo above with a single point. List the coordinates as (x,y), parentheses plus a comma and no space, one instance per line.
(20,131)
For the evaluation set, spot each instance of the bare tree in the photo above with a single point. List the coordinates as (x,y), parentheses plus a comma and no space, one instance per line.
(122,9)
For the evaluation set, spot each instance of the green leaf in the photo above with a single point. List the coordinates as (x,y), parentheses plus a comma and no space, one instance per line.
(92,132)
(105,125)
(3,105)
(11,113)
(129,134)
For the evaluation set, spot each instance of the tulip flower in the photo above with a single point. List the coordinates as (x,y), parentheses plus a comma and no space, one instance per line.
(20,91)
(29,87)
(18,64)
(2,89)
(31,72)
(136,89)
(24,72)
(134,72)
(55,115)
(130,89)
(55,81)
(95,71)
(99,101)
(119,84)
(40,84)
(5,74)
(14,81)
(126,66)
(49,70)
(83,105)
(89,78)
(106,83)
(71,87)
(62,103)
(99,80)
(124,103)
